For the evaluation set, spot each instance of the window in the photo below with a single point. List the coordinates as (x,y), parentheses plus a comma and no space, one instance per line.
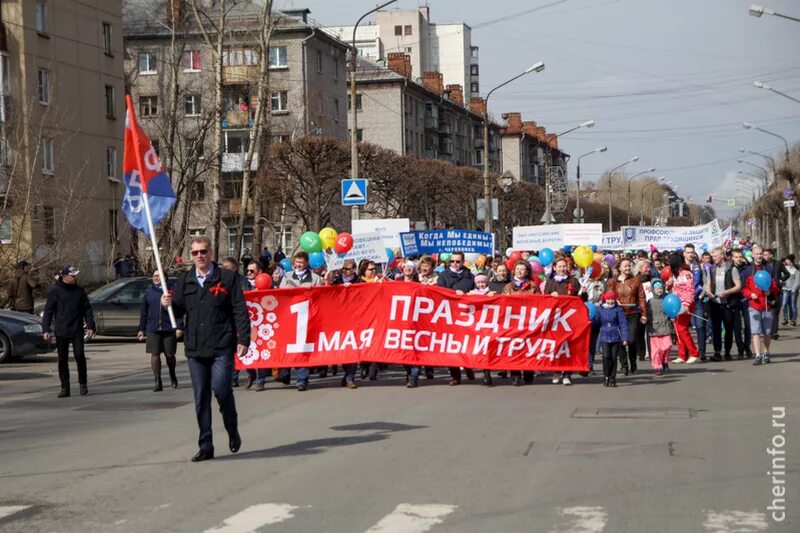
(237,142)
(247,242)
(335,68)
(47,156)
(107,38)
(409,50)
(359,134)
(398,30)
(198,191)
(191,105)
(156,146)
(336,109)
(113,226)
(279,101)
(111,163)
(44,86)
(407,29)
(473,70)
(132,293)
(358,102)
(277,139)
(474,87)
(197,232)
(473,51)
(194,148)
(231,185)
(319,62)
(277,57)
(110,104)
(49,224)
(41,17)
(148,106)
(147,63)
(239,56)
(191,61)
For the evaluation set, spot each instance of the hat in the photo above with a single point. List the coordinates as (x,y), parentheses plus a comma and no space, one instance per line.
(657,282)
(70,270)
(608,295)
(482,277)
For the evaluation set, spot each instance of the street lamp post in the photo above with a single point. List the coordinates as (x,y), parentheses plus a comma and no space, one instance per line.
(762,85)
(353,110)
(610,180)
(487,192)
(748,125)
(578,180)
(630,180)
(657,182)
(757,10)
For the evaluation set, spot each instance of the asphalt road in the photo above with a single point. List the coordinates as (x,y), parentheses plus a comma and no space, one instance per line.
(682,453)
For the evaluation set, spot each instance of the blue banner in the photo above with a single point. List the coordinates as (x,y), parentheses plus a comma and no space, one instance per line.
(446,240)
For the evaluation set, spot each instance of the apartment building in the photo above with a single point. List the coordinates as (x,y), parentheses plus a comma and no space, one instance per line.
(432,47)
(428,120)
(61,134)
(307,85)
(528,149)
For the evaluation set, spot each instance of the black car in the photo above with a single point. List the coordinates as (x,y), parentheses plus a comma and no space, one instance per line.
(116,306)
(21,335)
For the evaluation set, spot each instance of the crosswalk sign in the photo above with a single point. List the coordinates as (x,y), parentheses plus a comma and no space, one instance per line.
(354,192)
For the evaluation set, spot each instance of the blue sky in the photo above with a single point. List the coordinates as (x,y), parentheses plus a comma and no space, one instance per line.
(667,80)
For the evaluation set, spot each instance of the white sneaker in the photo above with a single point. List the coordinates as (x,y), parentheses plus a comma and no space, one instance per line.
(556,380)
(692,360)
(677,361)
(566,381)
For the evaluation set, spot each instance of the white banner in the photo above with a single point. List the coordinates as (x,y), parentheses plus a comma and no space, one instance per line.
(556,236)
(368,246)
(388,228)
(671,237)
(612,240)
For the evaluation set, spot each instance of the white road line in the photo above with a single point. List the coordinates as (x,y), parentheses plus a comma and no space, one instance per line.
(8,510)
(735,521)
(582,519)
(255,517)
(408,518)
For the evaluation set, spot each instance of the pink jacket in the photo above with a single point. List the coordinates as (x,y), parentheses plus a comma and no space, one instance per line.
(683,287)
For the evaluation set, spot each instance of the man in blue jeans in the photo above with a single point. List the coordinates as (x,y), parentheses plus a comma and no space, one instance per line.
(216,326)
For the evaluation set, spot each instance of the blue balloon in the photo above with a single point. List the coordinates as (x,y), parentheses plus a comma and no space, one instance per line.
(672,305)
(390,255)
(567,249)
(286,264)
(592,310)
(546,256)
(763,280)
(316,260)
(439,269)
(594,247)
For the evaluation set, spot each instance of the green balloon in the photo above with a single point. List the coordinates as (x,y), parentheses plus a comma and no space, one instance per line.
(310,242)
(445,257)
(748,253)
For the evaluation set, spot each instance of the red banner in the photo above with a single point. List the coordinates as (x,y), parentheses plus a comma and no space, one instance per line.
(412,324)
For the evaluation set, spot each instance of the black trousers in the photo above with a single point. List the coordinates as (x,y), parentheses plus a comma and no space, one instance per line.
(731,319)
(62,344)
(634,327)
(611,352)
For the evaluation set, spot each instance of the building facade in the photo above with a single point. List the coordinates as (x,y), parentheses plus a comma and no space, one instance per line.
(62,91)
(528,150)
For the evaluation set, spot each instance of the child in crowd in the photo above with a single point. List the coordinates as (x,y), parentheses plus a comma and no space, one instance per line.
(613,335)
(482,286)
(659,329)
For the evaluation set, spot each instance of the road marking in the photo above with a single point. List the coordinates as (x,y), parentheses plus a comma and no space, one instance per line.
(583,519)
(735,521)
(8,510)
(255,517)
(408,518)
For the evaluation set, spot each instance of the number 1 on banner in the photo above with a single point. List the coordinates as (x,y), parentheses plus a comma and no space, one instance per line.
(301,344)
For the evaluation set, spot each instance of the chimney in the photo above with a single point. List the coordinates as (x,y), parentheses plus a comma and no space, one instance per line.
(400,63)
(529,127)
(455,93)
(513,122)
(477,105)
(433,81)
(175,11)
(541,134)
(552,140)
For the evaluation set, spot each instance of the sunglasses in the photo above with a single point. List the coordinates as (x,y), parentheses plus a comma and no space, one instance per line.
(347,268)
(371,269)
(456,261)
(251,271)
(199,252)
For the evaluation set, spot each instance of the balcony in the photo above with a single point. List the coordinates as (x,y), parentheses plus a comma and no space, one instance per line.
(231,206)
(446,129)
(478,142)
(431,123)
(239,73)
(234,162)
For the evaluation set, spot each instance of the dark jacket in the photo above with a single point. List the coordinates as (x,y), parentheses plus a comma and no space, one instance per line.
(568,287)
(215,315)
(458,281)
(70,306)
(613,324)
(658,323)
(153,318)
(497,285)
(20,292)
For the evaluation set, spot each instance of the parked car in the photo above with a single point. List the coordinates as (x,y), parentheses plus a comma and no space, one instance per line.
(116,306)
(21,335)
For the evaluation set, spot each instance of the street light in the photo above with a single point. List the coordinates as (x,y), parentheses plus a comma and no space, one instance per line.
(353,108)
(757,10)
(659,181)
(578,178)
(767,157)
(748,125)
(762,169)
(630,180)
(611,175)
(487,193)
(587,124)
(762,85)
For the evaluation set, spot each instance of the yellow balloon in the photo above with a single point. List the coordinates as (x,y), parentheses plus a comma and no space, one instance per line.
(328,237)
(583,256)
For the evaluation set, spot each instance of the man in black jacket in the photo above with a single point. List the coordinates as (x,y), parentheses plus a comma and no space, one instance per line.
(216,326)
(457,278)
(70,305)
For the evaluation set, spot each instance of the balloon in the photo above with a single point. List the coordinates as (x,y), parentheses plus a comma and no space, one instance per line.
(594,248)
(592,310)
(666,274)
(597,270)
(763,280)
(328,238)
(536,267)
(390,255)
(439,269)
(286,264)
(567,249)
(672,305)
(515,256)
(263,281)
(598,257)
(510,265)
(481,261)
(445,257)
(316,260)
(546,256)
(509,251)
(534,258)
(310,242)
(610,260)
(748,254)
(583,256)
(343,244)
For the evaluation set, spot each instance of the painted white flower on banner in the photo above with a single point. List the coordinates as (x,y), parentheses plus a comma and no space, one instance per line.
(256,313)
(272,317)
(269,303)
(265,331)
(271,344)
(265,355)
(250,357)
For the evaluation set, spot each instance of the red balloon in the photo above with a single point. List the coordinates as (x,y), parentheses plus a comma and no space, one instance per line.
(515,256)
(263,281)
(666,274)
(597,269)
(510,265)
(344,242)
